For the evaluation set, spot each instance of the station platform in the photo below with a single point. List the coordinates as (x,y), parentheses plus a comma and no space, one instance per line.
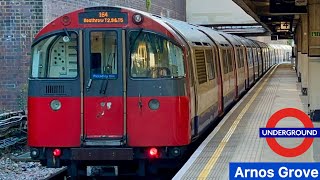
(236,138)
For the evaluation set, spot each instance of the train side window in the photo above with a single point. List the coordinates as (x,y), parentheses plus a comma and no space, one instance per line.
(254,52)
(229,54)
(258,55)
(210,64)
(225,62)
(240,58)
(201,65)
(56,57)
(103,58)
(249,56)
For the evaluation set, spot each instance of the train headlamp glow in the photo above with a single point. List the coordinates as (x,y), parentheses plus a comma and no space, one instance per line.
(34,153)
(154,104)
(66,39)
(55,105)
(137,18)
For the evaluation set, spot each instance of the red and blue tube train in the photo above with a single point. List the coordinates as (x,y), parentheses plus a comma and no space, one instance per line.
(113,84)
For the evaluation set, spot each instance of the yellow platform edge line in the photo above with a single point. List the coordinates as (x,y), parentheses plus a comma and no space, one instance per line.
(215,156)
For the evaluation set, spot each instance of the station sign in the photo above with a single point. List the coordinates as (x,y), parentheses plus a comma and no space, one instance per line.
(285,25)
(315,33)
(103,17)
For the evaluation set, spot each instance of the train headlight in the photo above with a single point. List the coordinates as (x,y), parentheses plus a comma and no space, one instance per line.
(176,152)
(137,18)
(154,104)
(66,20)
(34,153)
(55,105)
(66,39)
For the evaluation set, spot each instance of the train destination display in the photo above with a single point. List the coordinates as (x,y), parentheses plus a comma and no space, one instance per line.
(103,17)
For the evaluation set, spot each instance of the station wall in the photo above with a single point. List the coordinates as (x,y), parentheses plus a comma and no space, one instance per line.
(20,20)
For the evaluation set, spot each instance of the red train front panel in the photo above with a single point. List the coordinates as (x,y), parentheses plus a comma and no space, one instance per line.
(54,92)
(133,79)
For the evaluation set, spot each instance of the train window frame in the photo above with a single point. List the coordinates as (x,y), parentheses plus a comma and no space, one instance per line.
(255,56)
(203,50)
(249,56)
(240,58)
(225,60)
(129,59)
(230,60)
(116,52)
(47,54)
(237,54)
(210,64)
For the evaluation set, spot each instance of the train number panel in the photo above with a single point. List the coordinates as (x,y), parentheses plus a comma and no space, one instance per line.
(103,17)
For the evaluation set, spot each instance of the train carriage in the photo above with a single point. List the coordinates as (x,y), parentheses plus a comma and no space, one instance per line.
(258,55)
(263,52)
(227,66)
(240,63)
(117,86)
(247,60)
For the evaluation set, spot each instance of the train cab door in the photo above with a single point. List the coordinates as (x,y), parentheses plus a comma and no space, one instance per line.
(103,91)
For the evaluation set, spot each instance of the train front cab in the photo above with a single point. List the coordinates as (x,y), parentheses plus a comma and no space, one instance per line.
(107,92)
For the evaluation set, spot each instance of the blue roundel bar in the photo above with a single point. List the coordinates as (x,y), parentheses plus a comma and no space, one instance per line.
(289,132)
(273,170)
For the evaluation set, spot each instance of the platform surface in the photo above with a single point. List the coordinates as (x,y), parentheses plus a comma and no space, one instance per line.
(236,138)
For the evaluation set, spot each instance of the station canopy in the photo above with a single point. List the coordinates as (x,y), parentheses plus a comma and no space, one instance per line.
(248,17)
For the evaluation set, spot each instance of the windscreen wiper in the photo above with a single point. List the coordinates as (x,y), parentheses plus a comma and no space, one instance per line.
(105,82)
(134,41)
(65,31)
(89,84)
(104,86)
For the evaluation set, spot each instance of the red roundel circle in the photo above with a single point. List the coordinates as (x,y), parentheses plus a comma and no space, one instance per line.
(302,117)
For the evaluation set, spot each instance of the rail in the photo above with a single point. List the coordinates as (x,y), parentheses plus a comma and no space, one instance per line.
(60,174)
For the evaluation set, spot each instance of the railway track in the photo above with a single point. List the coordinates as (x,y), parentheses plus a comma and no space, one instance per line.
(13,128)
(59,175)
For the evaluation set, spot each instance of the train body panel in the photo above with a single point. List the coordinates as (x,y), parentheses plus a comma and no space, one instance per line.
(49,128)
(103,117)
(256,62)
(167,126)
(239,62)
(249,60)
(204,60)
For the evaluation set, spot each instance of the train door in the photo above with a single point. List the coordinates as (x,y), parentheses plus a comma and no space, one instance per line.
(228,76)
(255,63)
(250,65)
(103,100)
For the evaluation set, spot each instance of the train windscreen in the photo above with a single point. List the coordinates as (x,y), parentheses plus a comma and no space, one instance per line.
(153,56)
(55,56)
